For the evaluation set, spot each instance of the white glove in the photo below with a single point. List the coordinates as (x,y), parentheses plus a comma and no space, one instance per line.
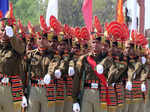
(129,86)
(58,73)
(24,102)
(47,79)
(9,31)
(76,107)
(134,75)
(143,87)
(113,84)
(143,60)
(5,80)
(99,69)
(71,71)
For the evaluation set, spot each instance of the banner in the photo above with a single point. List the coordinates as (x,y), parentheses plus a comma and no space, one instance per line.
(120,15)
(87,14)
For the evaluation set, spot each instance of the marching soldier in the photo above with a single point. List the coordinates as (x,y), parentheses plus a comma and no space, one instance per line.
(11,52)
(87,72)
(39,63)
(39,60)
(131,94)
(115,76)
(59,69)
(74,55)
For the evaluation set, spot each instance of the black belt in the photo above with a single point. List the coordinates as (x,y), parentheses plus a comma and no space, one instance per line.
(34,81)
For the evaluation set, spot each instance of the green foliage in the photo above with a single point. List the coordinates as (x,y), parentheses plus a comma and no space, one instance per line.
(28,10)
(69,11)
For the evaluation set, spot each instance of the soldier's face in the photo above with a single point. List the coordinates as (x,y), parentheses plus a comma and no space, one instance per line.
(30,44)
(96,46)
(42,42)
(53,44)
(105,48)
(3,36)
(129,50)
(62,46)
(75,50)
(114,49)
(119,51)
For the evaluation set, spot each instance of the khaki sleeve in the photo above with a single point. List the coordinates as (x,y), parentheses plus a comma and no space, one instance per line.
(71,63)
(62,65)
(144,73)
(77,79)
(106,62)
(51,68)
(18,45)
(116,70)
(76,87)
(132,71)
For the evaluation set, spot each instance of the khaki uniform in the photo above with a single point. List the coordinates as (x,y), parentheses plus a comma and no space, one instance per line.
(10,64)
(68,99)
(145,73)
(59,62)
(133,97)
(90,100)
(115,87)
(38,96)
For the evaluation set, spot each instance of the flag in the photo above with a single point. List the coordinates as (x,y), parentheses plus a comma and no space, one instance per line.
(52,9)
(4,6)
(120,15)
(87,14)
(132,7)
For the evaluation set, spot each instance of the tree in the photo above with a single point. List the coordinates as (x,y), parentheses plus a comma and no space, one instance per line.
(69,11)
(105,10)
(28,10)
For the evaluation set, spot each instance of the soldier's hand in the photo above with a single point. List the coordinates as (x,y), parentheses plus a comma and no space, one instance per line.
(129,85)
(76,107)
(24,102)
(58,73)
(9,31)
(71,71)
(143,87)
(47,79)
(143,59)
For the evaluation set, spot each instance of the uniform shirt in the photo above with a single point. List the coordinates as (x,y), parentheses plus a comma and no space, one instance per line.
(60,61)
(11,55)
(118,67)
(83,66)
(39,63)
(145,71)
(133,67)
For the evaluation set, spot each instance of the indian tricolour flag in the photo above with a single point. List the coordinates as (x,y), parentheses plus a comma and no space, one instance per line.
(52,9)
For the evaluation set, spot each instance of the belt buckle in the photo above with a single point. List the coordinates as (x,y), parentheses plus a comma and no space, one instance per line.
(94,85)
(41,82)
